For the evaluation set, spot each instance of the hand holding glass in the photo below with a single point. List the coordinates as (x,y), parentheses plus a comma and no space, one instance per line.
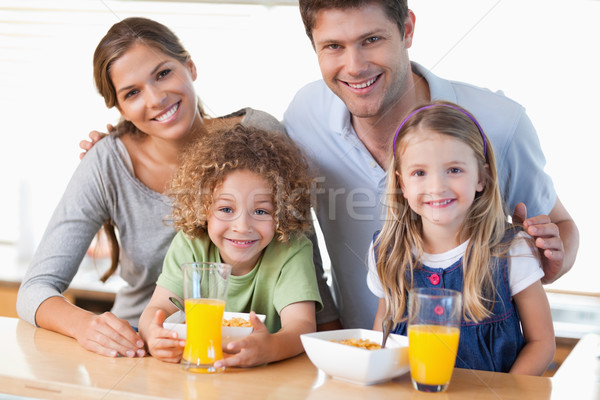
(204,291)
(434,317)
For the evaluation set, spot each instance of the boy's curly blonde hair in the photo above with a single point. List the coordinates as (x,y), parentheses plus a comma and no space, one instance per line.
(272,155)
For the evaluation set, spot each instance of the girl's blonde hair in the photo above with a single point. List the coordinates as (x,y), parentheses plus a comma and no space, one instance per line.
(272,155)
(484,225)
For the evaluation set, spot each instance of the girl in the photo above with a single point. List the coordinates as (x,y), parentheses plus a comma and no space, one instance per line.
(242,197)
(445,227)
(141,68)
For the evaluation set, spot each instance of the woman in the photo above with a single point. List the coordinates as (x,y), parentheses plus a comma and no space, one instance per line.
(141,68)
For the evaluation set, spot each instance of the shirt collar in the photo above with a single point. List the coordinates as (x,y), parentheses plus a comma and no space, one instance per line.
(340,119)
(439,89)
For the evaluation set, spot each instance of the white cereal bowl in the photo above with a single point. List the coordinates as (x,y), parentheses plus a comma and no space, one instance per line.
(353,364)
(228,333)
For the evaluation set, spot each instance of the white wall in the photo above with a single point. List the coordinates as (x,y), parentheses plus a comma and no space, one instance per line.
(541,53)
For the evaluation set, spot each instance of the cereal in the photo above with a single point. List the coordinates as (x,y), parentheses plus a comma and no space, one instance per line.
(361,343)
(237,322)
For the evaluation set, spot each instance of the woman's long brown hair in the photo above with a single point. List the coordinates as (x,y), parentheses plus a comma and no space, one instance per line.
(117,41)
(115,250)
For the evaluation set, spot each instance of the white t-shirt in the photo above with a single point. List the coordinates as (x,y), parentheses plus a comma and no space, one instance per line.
(524,267)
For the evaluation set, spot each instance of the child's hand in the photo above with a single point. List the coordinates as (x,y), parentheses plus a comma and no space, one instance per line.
(163,343)
(252,350)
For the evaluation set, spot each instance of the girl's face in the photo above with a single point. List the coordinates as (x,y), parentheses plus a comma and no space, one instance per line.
(241,221)
(439,177)
(155,92)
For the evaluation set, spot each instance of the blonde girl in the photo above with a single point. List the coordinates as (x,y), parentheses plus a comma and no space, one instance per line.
(242,196)
(446,227)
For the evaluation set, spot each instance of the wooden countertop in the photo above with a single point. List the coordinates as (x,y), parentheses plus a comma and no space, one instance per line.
(38,363)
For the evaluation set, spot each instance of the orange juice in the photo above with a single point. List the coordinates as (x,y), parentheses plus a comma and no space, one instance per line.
(432,353)
(203,344)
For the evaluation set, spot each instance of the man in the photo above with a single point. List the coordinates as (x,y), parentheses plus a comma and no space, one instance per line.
(346,121)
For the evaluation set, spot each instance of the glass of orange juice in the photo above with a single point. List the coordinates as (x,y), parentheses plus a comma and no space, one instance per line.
(434,317)
(204,292)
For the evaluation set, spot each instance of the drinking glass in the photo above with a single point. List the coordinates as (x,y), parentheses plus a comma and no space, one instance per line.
(204,292)
(434,317)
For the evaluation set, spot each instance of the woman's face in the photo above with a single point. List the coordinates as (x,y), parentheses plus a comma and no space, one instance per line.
(155,92)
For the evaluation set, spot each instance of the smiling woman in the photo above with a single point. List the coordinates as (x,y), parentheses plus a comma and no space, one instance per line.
(150,83)
(101,189)
(142,69)
(165,85)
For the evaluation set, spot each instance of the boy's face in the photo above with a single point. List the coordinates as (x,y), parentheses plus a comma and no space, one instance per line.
(241,221)
(363,57)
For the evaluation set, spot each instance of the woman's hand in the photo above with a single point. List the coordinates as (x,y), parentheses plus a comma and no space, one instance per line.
(164,344)
(110,336)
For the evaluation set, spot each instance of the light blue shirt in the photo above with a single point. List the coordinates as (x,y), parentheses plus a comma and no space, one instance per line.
(352,182)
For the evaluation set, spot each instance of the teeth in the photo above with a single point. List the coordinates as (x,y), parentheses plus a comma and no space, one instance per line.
(168,114)
(241,241)
(364,84)
(440,203)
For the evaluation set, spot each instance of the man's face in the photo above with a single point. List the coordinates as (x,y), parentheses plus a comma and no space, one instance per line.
(363,57)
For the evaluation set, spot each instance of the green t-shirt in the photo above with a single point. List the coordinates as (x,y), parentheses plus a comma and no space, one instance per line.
(285,274)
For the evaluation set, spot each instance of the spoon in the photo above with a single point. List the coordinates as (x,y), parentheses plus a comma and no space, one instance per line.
(386,326)
(177,303)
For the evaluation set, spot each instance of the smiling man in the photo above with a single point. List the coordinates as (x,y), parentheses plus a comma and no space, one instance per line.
(345,123)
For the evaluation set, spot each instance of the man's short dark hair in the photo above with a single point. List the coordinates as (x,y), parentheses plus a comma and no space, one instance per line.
(396,10)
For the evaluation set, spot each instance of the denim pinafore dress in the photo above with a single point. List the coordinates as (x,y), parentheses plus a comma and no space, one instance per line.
(491,344)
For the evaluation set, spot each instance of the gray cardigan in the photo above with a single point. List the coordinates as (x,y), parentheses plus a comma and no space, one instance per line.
(103,187)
